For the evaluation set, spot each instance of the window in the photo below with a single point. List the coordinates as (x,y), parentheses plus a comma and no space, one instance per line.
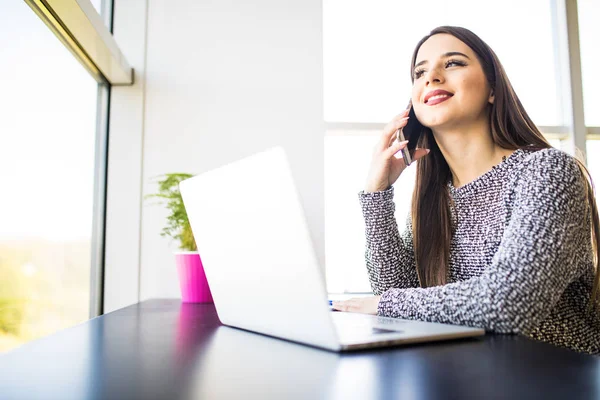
(593,164)
(47,145)
(368,46)
(367,51)
(589,32)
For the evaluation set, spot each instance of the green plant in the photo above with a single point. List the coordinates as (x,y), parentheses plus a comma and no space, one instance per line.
(178,225)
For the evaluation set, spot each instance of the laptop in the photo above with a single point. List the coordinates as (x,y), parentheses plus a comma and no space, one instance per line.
(264,275)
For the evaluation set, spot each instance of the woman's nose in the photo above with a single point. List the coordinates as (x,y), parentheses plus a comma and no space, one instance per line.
(434,75)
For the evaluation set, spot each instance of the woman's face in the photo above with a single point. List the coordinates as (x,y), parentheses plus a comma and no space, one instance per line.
(450,88)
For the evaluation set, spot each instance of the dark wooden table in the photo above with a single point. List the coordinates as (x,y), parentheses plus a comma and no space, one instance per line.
(163,349)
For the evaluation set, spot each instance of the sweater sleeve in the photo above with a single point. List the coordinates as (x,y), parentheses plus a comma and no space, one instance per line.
(547,230)
(389,256)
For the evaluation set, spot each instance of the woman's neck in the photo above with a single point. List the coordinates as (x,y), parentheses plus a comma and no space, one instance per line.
(469,151)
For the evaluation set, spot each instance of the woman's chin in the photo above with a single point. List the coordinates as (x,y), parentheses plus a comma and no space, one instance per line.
(435,119)
(437,124)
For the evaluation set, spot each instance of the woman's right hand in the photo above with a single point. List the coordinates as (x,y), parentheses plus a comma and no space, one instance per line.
(385,167)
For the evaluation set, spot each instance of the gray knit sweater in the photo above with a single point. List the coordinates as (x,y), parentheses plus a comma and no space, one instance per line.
(520,255)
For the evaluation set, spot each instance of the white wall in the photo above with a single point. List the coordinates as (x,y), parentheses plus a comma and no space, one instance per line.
(123,213)
(223,80)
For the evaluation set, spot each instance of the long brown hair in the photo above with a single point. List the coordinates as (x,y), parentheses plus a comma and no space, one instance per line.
(512,129)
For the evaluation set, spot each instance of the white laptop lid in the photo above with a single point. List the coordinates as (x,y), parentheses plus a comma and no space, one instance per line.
(255,246)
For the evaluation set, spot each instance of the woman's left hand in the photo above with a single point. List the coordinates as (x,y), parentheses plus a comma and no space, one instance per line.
(362,305)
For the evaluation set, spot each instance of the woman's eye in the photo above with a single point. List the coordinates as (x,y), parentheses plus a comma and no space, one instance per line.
(454,62)
(449,63)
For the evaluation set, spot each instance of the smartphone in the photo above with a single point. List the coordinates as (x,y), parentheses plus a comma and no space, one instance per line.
(411,132)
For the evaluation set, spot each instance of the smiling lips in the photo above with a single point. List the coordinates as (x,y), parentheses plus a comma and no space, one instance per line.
(436,97)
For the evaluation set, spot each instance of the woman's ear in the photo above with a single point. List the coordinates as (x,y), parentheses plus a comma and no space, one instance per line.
(491,98)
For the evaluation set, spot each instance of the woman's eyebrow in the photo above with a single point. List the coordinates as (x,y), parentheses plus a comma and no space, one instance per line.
(445,55)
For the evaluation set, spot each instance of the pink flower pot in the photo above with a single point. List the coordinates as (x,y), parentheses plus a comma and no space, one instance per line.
(192,280)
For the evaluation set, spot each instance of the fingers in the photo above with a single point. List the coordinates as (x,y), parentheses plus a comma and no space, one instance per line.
(390,130)
(420,153)
(351,305)
(396,147)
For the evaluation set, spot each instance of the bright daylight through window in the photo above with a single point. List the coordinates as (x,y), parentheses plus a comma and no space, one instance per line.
(47,139)
(589,31)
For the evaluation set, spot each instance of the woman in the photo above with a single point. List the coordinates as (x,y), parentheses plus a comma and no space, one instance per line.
(503,233)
